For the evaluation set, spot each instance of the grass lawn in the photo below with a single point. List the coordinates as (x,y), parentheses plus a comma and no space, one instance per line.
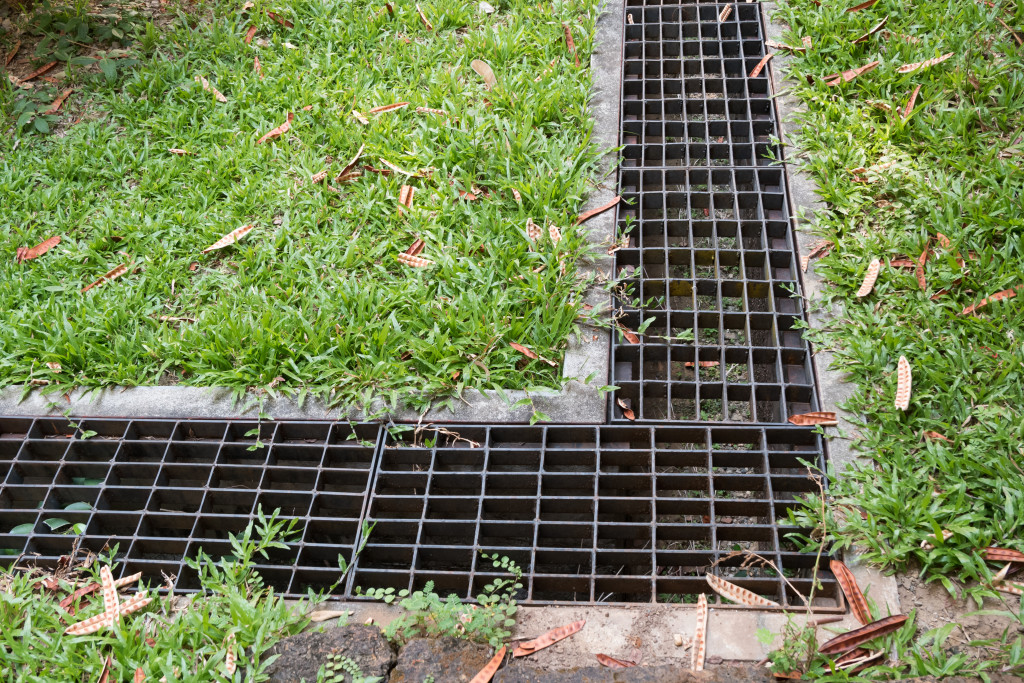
(314,299)
(946,179)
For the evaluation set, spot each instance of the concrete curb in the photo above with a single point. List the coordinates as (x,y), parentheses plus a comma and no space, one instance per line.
(587,355)
(833,389)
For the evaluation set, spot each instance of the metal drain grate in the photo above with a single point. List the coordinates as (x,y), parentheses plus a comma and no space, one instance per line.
(710,263)
(592,514)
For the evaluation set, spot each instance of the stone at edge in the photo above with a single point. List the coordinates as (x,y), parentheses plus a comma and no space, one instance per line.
(303,654)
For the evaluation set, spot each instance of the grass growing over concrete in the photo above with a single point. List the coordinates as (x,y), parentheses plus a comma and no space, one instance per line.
(314,298)
(893,182)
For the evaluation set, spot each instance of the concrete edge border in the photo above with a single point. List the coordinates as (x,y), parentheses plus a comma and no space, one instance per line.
(833,389)
(587,354)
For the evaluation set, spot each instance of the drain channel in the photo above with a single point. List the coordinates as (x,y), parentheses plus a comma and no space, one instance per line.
(610,514)
(710,265)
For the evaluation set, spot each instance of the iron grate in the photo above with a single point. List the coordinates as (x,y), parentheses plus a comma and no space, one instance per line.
(709,266)
(614,514)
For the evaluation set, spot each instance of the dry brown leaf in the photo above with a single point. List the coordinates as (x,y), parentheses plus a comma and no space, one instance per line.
(629,334)
(919,268)
(487,673)
(56,104)
(22,254)
(874,29)
(554,233)
(825,419)
(903,383)
(910,103)
(249,34)
(106,277)
(230,238)
(415,248)
(702,364)
(533,232)
(847,76)
(806,40)
(38,72)
(360,118)
(349,168)
(428,110)
(613,663)
(180,152)
(928,545)
(485,72)
(902,263)
(423,18)
(601,209)
(863,5)
(279,131)
(405,196)
(530,354)
(626,412)
(736,593)
(209,88)
(908,68)
(55,367)
(388,108)
(325,615)
(140,675)
(570,44)
(869,278)
(422,173)
(936,436)
(700,643)
(257,67)
(998,296)
(105,673)
(782,46)
(858,603)
(281,20)
(724,14)
(11,53)
(756,71)
(548,639)
(849,641)
(229,656)
(414,261)
(518,197)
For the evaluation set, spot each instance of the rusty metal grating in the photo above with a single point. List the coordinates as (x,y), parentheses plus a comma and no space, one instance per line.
(613,514)
(710,263)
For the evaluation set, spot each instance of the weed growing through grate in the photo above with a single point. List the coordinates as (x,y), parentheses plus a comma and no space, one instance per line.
(428,614)
(313,300)
(183,644)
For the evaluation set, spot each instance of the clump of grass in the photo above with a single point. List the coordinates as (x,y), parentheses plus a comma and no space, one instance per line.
(955,167)
(313,300)
(183,643)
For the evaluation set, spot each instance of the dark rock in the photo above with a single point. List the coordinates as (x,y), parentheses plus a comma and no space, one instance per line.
(517,673)
(448,660)
(302,655)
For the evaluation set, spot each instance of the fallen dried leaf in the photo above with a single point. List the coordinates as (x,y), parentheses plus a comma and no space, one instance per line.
(756,71)
(414,261)
(423,18)
(229,656)
(869,278)
(22,254)
(518,197)
(570,44)
(825,419)
(326,614)
(736,593)
(858,659)
(56,104)
(782,46)
(279,131)
(908,68)
(427,110)
(874,29)
(702,364)
(485,72)
(700,644)
(626,412)
(209,88)
(55,367)
(415,248)
(928,545)
(806,40)
(858,603)
(11,53)
(902,263)
(180,152)
(38,72)
(140,675)
(1011,588)
(724,14)
(487,673)
(601,209)
(388,107)
(903,382)
(554,233)
(628,334)
(530,354)
(937,436)
(422,173)
(998,296)
(533,232)
(281,20)
(230,238)
(994,554)
(613,663)
(405,196)
(910,103)
(847,76)
(249,34)
(549,638)
(105,673)
(849,641)
(863,5)
(257,67)
(360,118)
(106,277)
